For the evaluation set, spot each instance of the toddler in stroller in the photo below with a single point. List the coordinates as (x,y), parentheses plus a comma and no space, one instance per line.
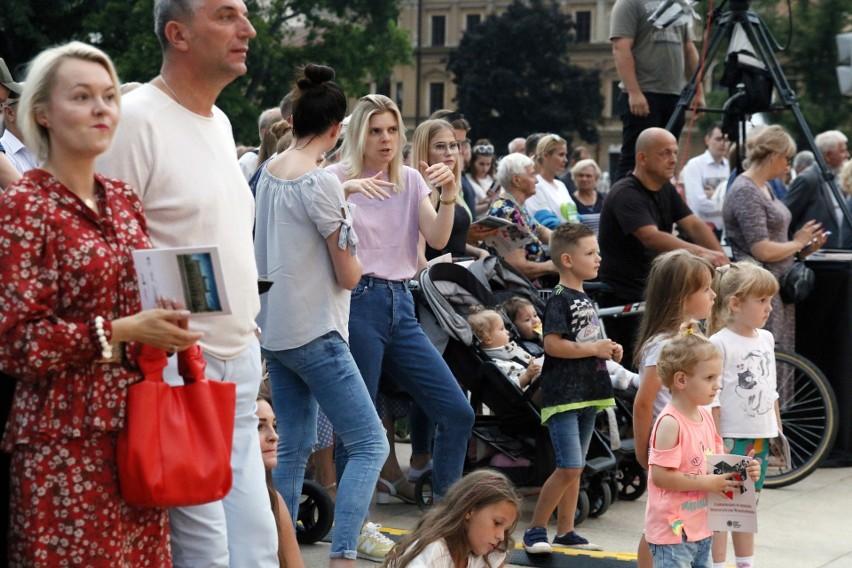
(515,362)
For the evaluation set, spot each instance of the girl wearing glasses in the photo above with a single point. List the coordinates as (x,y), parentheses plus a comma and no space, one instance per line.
(434,142)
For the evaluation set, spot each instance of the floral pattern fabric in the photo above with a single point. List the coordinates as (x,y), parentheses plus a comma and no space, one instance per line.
(61,265)
(507,208)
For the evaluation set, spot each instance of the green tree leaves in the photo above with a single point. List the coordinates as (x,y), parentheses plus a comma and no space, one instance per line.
(514,76)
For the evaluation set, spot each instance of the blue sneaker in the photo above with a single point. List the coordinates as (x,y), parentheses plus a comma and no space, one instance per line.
(573,540)
(535,541)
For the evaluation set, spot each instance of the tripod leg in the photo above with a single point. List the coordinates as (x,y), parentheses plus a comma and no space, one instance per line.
(722,30)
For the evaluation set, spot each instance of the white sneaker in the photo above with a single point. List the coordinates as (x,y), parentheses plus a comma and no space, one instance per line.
(372,544)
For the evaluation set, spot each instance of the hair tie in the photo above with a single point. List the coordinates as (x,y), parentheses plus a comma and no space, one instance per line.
(690,331)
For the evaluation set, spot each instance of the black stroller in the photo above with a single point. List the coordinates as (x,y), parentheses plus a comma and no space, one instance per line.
(510,437)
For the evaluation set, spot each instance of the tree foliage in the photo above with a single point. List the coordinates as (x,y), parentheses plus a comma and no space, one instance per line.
(358,38)
(514,77)
(809,63)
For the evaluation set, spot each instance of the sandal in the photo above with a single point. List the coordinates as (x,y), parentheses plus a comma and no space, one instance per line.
(415,473)
(402,489)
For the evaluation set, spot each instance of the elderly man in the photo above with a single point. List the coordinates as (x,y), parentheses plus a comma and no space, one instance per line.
(176,148)
(8,173)
(810,196)
(12,140)
(248,161)
(637,219)
(703,173)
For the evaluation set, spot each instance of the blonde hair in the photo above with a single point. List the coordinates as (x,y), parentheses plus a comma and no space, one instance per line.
(846,177)
(446,520)
(583,164)
(768,142)
(41,79)
(352,151)
(674,276)
(683,352)
(741,280)
(420,142)
(482,321)
(546,145)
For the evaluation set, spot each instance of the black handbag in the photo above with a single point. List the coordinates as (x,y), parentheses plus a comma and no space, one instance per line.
(797,284)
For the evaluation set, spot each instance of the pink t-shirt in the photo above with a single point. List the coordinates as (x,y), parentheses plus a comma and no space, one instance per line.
(668,513)
(388,230)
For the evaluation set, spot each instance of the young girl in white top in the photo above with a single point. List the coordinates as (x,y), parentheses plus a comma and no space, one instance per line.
(746,409)
(678,291)
(471,528)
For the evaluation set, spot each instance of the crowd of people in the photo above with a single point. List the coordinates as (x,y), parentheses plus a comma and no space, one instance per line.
(333,213)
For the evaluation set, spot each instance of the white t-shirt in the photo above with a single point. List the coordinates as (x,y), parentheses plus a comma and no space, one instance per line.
(185,170)
(549,197)
(749,385)
(698,173)
(248,164)
(649,359)
(437,555)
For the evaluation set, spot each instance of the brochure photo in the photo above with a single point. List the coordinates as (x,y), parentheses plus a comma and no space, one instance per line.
(734,511)
(190,275)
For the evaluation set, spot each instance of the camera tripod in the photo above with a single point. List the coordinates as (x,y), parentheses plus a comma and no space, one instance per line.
(762,40)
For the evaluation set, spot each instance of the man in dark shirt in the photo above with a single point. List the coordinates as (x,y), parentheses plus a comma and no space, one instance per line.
(637,219)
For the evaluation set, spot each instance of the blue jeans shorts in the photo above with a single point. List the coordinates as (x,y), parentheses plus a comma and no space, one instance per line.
(571,434)
(683,555)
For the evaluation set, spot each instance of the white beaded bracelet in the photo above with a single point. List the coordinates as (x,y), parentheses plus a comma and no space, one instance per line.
(106,348)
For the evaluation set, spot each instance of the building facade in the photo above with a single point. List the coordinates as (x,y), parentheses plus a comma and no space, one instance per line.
(436,27)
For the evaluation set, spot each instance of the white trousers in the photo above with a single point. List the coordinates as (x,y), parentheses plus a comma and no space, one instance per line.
(238,531)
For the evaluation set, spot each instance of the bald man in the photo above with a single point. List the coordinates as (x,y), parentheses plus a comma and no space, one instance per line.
(637,219)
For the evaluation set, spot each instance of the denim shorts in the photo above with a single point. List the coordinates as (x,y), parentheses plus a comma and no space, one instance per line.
(571,434)
(742,446)
(683,555)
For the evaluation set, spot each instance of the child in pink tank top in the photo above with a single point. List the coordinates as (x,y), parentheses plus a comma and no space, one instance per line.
(689,365)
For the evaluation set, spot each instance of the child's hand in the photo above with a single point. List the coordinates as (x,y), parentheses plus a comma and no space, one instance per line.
(617,353)
(753,468)
(534,369)
(604,348)
(724,482)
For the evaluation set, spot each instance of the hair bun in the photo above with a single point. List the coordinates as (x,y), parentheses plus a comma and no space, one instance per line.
(315,75)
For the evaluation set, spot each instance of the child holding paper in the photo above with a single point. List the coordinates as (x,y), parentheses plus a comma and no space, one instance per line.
(746,410)
(684,434)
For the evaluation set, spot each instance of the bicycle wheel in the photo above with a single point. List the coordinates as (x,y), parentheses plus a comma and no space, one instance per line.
(808,416)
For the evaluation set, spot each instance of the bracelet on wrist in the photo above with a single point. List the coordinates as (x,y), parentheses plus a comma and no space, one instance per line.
(452,201)
(107,353)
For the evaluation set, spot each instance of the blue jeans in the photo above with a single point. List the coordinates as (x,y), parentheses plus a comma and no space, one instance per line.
(324,372)
(384,331)
(683,555)
(571,434)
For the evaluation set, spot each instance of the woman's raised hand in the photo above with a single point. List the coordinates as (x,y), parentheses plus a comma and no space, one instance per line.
(371,187)
(440,175)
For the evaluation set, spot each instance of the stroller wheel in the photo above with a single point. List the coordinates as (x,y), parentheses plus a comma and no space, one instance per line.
(316,513)
(423,490)
(632,480)
(600,497)
(582,512)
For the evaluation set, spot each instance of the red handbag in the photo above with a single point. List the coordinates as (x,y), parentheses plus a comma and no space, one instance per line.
(175,448)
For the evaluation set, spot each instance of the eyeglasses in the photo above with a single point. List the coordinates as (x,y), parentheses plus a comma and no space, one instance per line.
(486,149)
(443,147)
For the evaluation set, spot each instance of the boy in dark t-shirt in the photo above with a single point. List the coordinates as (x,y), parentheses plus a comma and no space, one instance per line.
(574,383)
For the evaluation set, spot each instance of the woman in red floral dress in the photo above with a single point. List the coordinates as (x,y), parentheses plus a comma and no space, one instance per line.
(68,298)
